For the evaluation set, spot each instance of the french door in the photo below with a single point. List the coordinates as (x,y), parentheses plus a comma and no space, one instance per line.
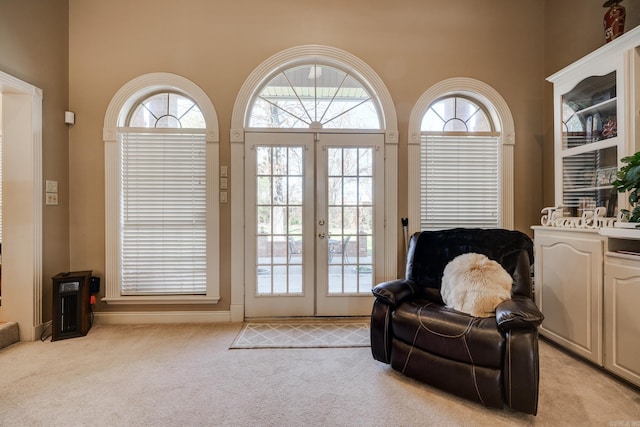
(313,223)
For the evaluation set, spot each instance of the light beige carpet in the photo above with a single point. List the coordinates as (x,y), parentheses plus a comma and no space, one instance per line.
(302,335)
(185,375)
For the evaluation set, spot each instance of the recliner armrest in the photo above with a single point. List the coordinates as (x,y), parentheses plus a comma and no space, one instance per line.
(394,292)
(518,312)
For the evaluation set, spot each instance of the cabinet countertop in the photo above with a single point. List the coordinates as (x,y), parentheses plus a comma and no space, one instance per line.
(563,229)
(621,233)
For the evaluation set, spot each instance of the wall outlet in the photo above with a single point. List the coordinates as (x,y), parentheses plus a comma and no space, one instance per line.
(52,199)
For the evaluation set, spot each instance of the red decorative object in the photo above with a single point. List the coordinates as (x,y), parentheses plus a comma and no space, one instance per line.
(613,20)
(610,129)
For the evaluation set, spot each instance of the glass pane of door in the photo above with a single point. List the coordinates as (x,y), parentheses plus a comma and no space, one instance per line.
(279,215)
(350,220)
(312,224)
(350,194)
(279,224)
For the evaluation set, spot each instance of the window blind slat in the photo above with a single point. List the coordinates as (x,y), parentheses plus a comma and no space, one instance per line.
(163,214)
(459,181)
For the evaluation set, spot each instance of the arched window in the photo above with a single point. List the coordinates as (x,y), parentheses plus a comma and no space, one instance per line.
(163,199)
(336,103)
(162,220)
(463,157)
(167,110)
(460,166)
(314,96)
(456,114)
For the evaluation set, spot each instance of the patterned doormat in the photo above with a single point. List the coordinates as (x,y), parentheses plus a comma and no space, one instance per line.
(302,335)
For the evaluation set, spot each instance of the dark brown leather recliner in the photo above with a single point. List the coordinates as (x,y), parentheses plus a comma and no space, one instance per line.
(492,360)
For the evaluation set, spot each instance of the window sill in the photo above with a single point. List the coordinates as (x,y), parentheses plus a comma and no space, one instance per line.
(161,299)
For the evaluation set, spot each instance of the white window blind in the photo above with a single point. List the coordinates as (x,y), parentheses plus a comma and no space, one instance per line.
(163,214)
(460,182)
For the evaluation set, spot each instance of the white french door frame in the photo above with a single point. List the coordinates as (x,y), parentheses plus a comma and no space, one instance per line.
(315,298)
(280,300)
(347,302)
(239,123)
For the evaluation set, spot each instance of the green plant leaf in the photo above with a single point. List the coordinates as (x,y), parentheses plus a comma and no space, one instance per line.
(633,174)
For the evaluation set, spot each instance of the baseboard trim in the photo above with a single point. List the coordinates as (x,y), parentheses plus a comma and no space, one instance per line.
(156,317)
(237,312)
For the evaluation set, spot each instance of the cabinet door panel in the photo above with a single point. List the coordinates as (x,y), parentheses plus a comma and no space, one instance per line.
(569,292)
(622,294)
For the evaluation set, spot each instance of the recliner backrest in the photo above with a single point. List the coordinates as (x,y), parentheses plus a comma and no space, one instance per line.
(430,251)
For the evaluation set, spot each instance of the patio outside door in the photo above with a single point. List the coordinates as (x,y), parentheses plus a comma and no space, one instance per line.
(311,223)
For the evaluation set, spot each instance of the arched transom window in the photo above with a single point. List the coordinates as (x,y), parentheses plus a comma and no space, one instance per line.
(167,110)
(456,114)
(314,96)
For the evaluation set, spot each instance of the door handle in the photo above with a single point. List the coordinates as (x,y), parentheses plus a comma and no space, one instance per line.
(321,235)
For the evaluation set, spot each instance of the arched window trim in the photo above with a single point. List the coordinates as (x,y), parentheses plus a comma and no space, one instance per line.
(262,74)
(116,118)
(306,55)
(500,115)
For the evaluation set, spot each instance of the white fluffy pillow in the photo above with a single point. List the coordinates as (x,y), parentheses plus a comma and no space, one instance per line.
(474,284)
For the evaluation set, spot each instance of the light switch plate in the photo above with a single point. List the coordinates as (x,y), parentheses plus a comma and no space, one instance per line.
(224,172)
(51,186)
(223,183)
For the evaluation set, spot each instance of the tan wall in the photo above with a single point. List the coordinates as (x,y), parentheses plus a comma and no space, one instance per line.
(573,28)
(411,44)
(34,48)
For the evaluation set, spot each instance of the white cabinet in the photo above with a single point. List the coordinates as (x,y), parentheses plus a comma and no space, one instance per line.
(587,279)
(621,320)
(587,141)
(621,301)
(569,288)
(595,124)
(587,285)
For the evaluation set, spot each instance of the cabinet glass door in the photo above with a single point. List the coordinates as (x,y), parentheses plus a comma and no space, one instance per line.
(589,112)
(587,179)
(589,151)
